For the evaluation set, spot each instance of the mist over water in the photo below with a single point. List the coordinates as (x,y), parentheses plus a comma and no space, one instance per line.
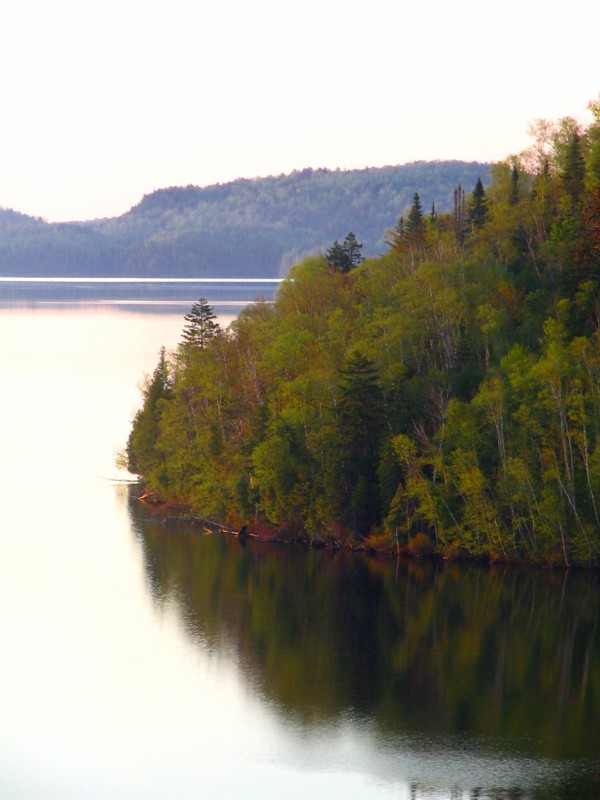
(145,661)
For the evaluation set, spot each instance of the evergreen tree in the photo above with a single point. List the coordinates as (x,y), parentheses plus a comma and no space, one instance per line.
(477,207)
(201,327)
(573,171)
(141,454)
(352,249)
(337,257)
(398,232)
(346,256)
(488,440)
(360,418)
(415,224)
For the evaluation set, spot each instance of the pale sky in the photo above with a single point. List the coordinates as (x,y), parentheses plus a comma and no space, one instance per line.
(102,102)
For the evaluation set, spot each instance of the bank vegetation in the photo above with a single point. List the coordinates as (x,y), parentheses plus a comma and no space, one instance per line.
(443,397)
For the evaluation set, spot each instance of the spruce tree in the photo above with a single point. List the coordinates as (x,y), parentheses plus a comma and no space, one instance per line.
(415,224)
(477,206)
(398,232)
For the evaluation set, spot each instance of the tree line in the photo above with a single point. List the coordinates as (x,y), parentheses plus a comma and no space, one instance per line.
(245,228)
(443,397)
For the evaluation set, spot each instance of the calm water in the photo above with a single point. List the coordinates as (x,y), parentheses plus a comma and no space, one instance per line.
(144,662)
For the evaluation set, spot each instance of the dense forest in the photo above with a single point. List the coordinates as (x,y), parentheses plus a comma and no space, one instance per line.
(246,228)
(442,397)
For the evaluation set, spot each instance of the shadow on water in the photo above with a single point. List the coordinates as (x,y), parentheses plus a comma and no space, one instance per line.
(454,655)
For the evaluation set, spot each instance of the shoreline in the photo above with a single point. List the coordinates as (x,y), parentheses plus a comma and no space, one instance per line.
(422,548)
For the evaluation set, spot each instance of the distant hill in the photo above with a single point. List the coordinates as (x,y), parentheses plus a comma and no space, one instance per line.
(257,227)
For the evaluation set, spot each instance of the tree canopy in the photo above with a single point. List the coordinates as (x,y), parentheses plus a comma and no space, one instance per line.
(344,257)
(245,228)
(443,396)
(201,326)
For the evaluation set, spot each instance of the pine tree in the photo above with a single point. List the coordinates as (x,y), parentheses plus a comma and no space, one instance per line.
(201,327)
(346,256)
(352,247)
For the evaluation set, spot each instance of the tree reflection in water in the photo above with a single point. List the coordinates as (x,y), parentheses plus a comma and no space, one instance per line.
(500,656)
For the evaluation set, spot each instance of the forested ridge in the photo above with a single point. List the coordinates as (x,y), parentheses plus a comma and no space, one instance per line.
(245,228)
(443,397)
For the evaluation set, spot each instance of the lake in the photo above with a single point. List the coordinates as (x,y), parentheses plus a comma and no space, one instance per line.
(141,660)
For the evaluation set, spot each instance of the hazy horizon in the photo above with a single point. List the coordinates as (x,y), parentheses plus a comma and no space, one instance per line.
(243,178)
(106,103)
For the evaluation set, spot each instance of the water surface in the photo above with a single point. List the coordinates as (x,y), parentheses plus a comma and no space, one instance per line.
(140,661)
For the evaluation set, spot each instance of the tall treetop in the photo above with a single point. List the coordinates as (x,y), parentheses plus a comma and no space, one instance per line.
(201,326)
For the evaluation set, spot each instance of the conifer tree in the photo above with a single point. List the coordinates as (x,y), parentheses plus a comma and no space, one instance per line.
(477,207)
(573,172)
(360,418)
(336,257)
(200,326)
(415,224)
(346,256)
(398,232)
(352,248)
(141,455)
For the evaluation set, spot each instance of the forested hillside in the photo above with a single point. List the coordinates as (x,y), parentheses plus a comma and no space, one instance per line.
(247,228)
(444,396)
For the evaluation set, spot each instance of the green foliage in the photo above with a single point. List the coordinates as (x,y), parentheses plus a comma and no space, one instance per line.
(573,168)
(477,206)
(257,228)
(141,453)
(200,327)
(324,635)
(346,256)
(415,224)
(443,395)
(360,419)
